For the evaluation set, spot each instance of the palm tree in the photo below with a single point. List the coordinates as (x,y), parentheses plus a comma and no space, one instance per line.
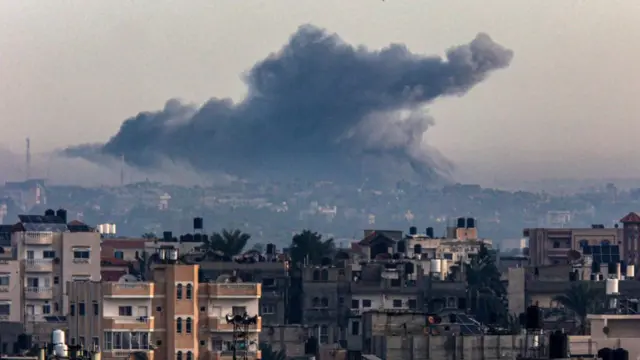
(485,291)
(269,354)
(229,243)
(578,301)
(311,247)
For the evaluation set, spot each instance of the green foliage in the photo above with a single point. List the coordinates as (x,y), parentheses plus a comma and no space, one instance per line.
(486,292)
(578,301)
(230,243)
(310,246)
(149,236)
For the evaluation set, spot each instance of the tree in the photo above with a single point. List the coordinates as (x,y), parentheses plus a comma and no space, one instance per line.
(149,236)
(485,290)
(269,354)
(311,247)
(230,243)
(578,301)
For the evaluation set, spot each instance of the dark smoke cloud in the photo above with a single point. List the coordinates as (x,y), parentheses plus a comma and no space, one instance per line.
(318,108)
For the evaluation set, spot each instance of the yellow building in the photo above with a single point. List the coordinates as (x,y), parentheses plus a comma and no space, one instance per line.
(173,317)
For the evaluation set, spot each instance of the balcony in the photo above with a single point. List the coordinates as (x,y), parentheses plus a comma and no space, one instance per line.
(125,354)
(233,290)
(216,324)
(132,323)
(128,290)
(38,265)
(38,238)
(228,355)
(38,293)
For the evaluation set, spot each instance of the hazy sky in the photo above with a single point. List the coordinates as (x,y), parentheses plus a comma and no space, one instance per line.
(72,71)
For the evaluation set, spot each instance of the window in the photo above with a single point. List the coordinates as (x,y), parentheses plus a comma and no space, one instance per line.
(268,309)
(355,328)
(81,253)
(95,341)
(56,280)
(324,302)
(118,255)
(96,309)
(124,340)
(413,304)
(46,309)
(72,310)
(179,292)
(125,311)
(448,256)
(49,254)
(179,355)
(556,244)
(366,303)
(397,303)
(81,309)
(355,304)
(238,310)
(189,355)
(5,280)
(324,334)
(189,325)
(179,325)
(268,282)
(56,307)
(324,275)
(189,291)
(81,340)
(584,243)
(5,309)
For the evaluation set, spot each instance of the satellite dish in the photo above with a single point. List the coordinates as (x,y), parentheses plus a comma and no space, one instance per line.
(574,255)
(128,278)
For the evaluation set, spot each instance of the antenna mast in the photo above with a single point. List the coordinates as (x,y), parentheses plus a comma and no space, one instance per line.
(122,170)
(27,162)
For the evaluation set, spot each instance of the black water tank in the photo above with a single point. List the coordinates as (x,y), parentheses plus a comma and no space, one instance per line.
(595,267)
(409,268)
(413,230)
(417,249)
(167,236)
(612,268)
(197,223)
(49,212)
(430,232)
(605,353)
(401,246)
(271,249)
(620,354)
(62,214)
(24,341)
(461,223)
(311,346)
(462,303)
(623,268)
(471,223)
(534,318)
(558,345)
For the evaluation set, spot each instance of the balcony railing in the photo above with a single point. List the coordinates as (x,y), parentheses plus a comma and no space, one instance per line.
(38,238)
(228,355)
(132,323)
(35,292)
(233,290)
(129,289)
(44,265)
(220,324)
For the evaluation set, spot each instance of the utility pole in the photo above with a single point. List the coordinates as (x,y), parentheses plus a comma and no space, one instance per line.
(27,160)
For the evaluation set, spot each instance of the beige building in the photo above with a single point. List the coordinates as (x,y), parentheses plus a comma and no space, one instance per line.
(45,254)
(173,317)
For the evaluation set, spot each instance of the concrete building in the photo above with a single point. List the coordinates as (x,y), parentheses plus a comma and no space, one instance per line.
(44,255)
(173,317)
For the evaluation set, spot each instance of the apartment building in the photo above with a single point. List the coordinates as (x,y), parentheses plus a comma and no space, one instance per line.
(173,317)
(43,255)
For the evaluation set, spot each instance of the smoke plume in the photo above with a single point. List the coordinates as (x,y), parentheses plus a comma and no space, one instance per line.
(318,108)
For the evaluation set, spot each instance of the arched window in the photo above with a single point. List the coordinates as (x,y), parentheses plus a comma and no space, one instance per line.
(325,302)
(179,355)
(189,355)
(189,291)
(189,324)
(179,291)
(316,275)
(324,275)
(179,325)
